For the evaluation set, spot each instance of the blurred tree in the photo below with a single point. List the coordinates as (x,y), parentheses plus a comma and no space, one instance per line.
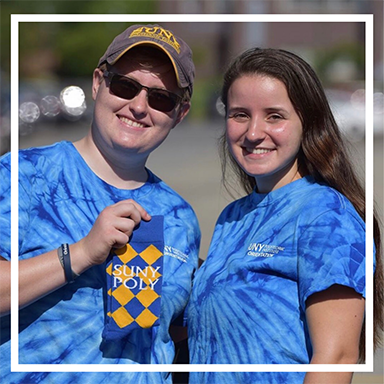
(67,49)
(70,48)
(350,55)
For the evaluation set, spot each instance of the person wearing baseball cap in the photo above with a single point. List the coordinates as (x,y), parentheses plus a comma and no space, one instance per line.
(107,249)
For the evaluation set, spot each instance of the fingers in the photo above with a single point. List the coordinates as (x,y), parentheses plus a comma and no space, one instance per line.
(129,214)
(132,210)
(143,213)
(112,229)
(124,228)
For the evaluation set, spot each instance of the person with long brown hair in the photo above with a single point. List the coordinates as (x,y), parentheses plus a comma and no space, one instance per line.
(284,279)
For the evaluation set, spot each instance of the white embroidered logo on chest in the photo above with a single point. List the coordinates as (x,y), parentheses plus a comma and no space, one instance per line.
(177,254)
(263,250)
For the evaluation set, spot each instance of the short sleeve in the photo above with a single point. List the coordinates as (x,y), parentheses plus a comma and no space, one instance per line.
(331,250)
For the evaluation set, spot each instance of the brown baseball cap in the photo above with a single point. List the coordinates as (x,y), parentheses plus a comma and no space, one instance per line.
(176,49)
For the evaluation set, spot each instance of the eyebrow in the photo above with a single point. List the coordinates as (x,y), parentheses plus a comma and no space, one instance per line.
(277,109)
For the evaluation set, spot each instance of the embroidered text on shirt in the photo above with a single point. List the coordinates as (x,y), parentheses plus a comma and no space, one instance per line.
(263,250)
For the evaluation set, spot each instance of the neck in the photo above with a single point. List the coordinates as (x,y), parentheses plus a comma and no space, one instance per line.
(116,168)
(285,176)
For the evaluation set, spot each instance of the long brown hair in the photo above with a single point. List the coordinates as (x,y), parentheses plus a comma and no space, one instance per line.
(323,152)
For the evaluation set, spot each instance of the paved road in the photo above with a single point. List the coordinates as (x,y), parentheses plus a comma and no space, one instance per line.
(188,162)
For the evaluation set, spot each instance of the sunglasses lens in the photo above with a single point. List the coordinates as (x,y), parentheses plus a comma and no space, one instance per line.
(127,88)
(124,87)
(162,101)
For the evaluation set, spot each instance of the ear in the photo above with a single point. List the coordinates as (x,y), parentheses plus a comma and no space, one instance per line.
(96,81)
(183,111)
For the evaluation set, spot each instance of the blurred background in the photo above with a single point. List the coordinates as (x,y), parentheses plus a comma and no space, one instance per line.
(57,61)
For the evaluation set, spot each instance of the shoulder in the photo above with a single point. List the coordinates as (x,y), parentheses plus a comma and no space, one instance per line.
(236,209)
(169,199)
(35,158)
(51,153)
(169,195)
(40,166)
(321,200)
(320,193)
(328,220)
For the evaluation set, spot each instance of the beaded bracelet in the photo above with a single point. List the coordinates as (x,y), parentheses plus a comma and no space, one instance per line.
(65,261)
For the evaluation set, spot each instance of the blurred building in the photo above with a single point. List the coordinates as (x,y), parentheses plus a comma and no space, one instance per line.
(222,41)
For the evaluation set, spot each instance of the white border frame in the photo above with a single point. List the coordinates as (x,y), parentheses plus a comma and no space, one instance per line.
(16,19)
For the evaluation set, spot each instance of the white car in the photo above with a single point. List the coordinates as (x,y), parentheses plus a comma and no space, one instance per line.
(349,111)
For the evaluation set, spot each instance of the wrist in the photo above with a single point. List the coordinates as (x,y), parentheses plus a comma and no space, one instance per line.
(64,256)
(80,260)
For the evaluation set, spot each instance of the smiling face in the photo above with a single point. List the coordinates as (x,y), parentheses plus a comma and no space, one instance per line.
(132,126)
(263,131)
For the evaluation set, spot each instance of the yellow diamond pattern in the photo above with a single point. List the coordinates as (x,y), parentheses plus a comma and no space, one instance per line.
(146,319)
(124,295)
(122,317)
(147,297)
(150,254)
(126,253)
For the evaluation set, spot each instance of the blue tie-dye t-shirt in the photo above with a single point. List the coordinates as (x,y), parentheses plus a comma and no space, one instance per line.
(59,200)
(268,254)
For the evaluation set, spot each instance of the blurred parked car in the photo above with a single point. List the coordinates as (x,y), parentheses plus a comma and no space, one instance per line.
(42,102)
(349,111)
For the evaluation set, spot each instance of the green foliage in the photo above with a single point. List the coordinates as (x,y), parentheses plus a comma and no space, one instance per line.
(73,44)
(205,94)
(80,45)
(353,52)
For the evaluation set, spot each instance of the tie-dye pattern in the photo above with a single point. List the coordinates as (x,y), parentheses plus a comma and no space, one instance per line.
(268,254)
(59,200)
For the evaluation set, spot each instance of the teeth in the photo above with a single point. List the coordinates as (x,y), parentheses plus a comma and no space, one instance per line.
(131,122)
(258,151)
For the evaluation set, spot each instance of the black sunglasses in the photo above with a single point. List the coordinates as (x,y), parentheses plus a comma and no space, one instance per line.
(127,88)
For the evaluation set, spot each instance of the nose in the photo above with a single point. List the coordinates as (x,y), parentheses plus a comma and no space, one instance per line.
(255,130)
(139,103)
